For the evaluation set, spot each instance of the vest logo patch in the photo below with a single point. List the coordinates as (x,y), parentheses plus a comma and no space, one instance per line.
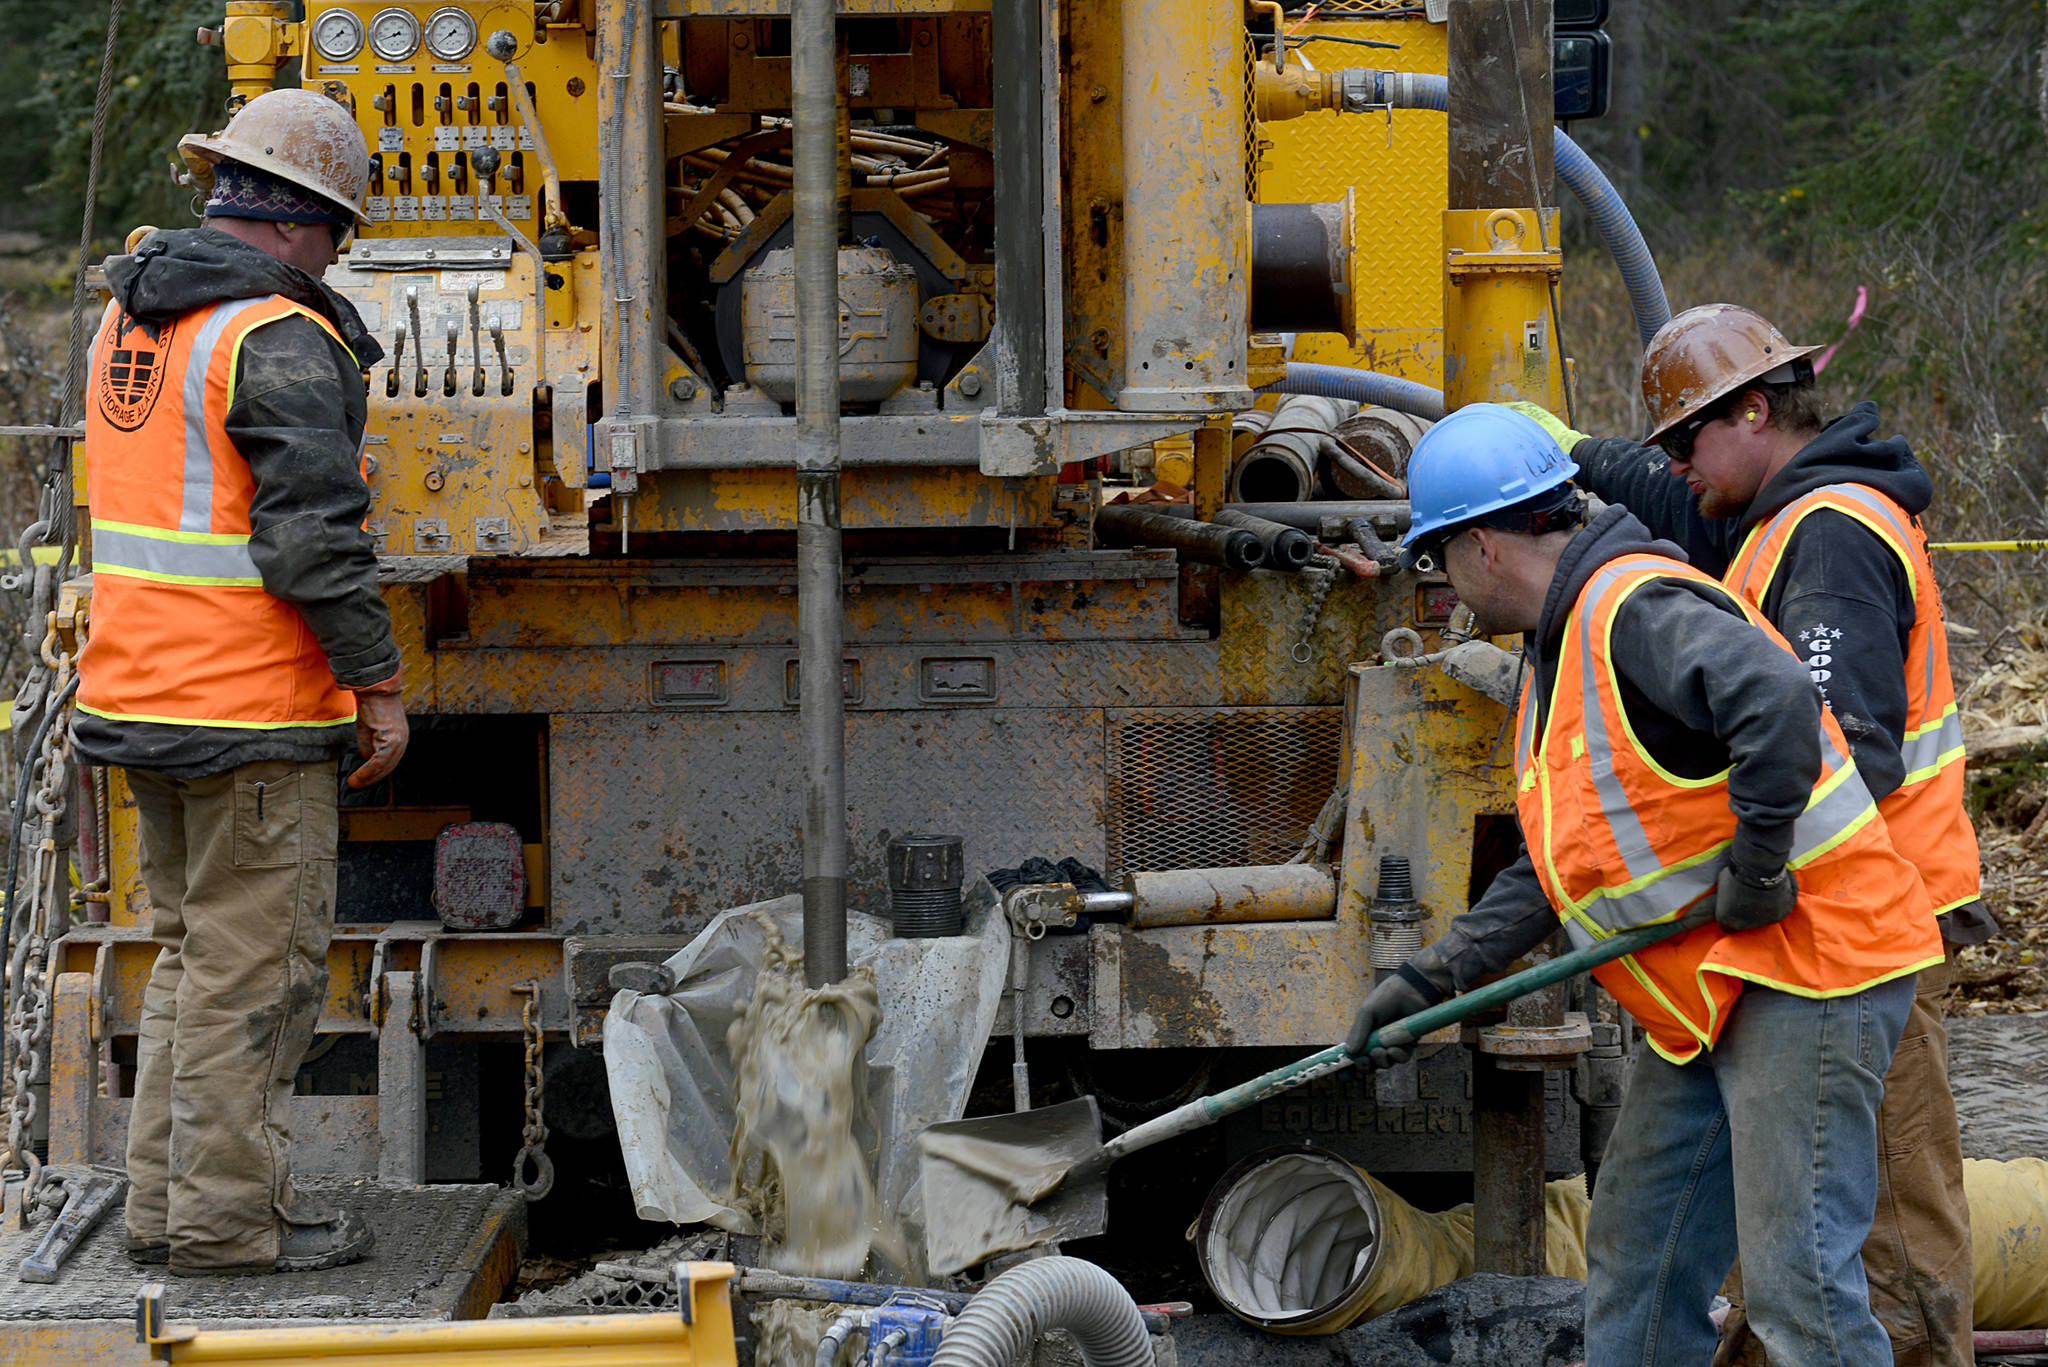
(133,375)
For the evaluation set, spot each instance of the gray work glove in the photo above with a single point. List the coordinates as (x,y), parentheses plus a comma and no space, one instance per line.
(1747,900)
(1407,991)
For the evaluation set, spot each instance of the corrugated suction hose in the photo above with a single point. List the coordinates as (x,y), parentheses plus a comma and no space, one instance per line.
(1001,1321)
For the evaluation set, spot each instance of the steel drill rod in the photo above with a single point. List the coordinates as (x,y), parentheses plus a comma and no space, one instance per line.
(1308,516)
(1287,548)
(1126,524)
(821,702)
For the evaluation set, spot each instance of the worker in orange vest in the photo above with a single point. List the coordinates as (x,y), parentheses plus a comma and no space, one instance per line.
(1816,524)
(238,642)
(1673,756)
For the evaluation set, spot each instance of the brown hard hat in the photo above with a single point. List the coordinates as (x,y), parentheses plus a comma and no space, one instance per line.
(299,136)
(1705,354)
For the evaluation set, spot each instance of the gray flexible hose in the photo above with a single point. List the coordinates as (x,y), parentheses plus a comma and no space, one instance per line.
(1611,218)
(1000,1323)
(1361,386)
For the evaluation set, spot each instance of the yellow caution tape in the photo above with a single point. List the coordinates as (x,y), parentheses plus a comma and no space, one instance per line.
(1988,545)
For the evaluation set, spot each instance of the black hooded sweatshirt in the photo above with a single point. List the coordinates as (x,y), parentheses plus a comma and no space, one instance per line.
(1704,691)
(297,416)
(1841,596)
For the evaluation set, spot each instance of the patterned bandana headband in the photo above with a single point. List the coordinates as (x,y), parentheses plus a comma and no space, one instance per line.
(244,192)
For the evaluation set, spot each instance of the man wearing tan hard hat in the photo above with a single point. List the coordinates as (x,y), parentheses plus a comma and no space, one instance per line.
(1817,524)
(238,644)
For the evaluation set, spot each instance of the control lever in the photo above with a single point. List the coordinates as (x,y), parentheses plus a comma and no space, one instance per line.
(476,347)
(419,340)
(504,366)
(454,339)
(397,360)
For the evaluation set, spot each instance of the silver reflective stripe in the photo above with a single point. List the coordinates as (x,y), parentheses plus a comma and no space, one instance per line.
(1829,817)
(1926,753)
(155,557)
(196,514)
(1630,839)
(1525,738)
(1659,900)
(1577,936)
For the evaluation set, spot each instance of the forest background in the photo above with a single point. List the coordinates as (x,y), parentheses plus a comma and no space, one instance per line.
(1791,155)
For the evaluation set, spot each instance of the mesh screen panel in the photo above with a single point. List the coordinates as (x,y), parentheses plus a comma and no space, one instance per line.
(1217,787)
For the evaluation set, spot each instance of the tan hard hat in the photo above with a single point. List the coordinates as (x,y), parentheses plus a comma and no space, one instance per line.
(1705,354)
(299,136)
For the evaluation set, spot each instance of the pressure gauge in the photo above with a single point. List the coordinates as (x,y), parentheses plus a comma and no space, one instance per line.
(450,34)
(338,35)
(394,34)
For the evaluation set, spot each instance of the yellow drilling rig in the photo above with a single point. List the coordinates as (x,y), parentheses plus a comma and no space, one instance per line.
(705,618)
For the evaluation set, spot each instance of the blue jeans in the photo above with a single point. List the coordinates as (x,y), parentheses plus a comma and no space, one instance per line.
(1766,1146)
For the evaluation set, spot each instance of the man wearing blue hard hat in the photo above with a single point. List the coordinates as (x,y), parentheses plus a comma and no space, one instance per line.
(1673,761)
(1817,524)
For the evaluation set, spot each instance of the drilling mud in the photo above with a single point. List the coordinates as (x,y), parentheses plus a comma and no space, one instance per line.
(798,1164)
(786,1333)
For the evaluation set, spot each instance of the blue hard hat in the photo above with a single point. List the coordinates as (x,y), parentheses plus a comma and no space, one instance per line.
(1477,461)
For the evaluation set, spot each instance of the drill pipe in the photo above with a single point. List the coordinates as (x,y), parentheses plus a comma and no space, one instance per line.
(1122,524)
(1287,548)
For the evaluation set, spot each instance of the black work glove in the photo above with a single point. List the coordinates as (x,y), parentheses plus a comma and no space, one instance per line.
(1403,994)
(1746,900)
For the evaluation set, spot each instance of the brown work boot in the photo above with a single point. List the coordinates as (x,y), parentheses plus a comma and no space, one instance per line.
(302,1248)
(149,1255)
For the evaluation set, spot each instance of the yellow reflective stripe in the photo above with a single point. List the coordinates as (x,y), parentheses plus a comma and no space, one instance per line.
(349,720)
(1818,993)
(100,524)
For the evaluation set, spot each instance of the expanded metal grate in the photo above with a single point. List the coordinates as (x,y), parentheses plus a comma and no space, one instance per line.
(432,1244)
(1215,787)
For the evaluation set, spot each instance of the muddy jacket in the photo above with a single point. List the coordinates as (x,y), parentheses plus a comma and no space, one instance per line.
(297,417)
(1838,577)
(1705,692)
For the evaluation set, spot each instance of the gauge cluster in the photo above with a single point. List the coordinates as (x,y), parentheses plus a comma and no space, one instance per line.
(394,34)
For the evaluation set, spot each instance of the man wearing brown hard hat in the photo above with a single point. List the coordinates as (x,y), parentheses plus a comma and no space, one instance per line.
(1816,523)
(238,642)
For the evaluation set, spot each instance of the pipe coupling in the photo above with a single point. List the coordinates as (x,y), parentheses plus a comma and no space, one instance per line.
(925,874)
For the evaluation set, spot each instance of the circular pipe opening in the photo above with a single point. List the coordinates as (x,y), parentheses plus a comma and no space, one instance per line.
(1287,1237)
(1275,478)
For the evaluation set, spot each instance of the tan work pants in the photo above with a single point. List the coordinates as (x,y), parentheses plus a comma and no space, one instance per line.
(240,870)
(1918,1254)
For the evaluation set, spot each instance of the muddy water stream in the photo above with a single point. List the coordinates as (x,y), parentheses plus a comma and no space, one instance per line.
(798,1163)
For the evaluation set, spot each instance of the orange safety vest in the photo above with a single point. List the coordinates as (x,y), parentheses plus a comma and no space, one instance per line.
(183,632)
(1618,842)
(1925,812)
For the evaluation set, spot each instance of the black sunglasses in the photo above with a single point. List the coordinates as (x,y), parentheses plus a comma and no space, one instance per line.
(1677,443)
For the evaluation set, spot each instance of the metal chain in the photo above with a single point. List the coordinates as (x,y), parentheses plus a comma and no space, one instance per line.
(534,1151)
(1320,574)
(40,915)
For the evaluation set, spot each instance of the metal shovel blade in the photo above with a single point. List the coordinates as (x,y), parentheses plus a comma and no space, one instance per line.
(986,1182)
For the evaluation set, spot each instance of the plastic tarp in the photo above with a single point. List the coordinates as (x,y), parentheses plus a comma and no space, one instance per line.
(672,1076)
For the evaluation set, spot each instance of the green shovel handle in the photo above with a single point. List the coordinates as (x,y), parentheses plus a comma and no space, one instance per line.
(1208,1109)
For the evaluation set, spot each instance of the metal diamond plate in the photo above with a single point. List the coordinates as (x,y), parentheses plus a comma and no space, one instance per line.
(1193,788)
(433,1243)
(662,821)
(1399,166)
